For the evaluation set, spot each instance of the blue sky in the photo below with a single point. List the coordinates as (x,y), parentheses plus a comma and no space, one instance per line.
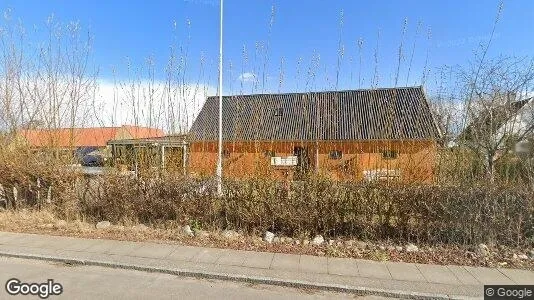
(302,30)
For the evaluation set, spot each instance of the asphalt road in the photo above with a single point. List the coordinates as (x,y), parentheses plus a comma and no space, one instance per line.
(89,282)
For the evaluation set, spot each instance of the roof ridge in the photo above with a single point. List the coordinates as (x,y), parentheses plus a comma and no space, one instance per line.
(323,92)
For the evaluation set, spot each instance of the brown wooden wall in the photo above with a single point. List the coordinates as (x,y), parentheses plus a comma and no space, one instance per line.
(415,159)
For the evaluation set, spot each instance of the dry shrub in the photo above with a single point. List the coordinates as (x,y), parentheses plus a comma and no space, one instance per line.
(459,166)
(29,180)
(456,214)
(428,213)
(127,199)
(422,213)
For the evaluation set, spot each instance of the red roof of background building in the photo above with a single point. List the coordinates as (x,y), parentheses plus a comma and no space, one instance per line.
(85,137)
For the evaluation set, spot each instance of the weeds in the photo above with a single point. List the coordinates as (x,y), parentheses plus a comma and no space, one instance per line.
(434,214)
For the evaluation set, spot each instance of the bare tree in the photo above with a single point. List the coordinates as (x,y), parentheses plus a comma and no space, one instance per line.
(497,107)
(12,67)
(49,83)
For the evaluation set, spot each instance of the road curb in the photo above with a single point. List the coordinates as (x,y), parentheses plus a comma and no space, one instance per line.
(357,290)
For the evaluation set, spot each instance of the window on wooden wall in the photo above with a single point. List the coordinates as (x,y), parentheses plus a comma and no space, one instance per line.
(389,154)
(269,153)
(336,154)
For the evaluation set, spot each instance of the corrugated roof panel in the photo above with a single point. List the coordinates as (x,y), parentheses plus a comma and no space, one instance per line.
(396,113)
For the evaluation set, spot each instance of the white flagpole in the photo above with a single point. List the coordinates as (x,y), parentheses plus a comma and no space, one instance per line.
(219,160)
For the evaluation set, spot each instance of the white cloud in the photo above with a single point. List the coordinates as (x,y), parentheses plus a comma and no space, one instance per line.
(247,77)
(151,104)
(101,103)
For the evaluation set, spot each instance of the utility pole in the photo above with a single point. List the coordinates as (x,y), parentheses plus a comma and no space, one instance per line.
(220,150)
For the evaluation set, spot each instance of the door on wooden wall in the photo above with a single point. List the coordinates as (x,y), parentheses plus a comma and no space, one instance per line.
(303,161)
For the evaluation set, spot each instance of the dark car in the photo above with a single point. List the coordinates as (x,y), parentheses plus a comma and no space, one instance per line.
(92,160)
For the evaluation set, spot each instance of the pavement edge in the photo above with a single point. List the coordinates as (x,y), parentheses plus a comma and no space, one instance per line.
(356,290)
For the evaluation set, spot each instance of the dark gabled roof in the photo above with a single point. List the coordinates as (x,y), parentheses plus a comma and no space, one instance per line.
(378,114)
(491,120)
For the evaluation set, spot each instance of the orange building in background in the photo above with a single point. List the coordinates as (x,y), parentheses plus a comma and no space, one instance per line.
(72,138)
